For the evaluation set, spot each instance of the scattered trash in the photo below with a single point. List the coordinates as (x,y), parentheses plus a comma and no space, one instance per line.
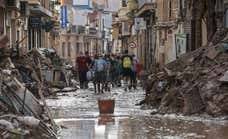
(25,80)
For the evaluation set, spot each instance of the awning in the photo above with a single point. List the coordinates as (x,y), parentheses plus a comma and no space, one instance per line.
(3,41)
(145,8)
(2,4)
(40,11)
(165,24)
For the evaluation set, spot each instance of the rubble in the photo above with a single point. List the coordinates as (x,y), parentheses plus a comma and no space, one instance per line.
(194,83)
(25,80)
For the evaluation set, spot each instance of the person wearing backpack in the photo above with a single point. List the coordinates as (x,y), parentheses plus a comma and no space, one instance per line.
(99,67)
(108,72)
(117,71)
(88,62)
(134,71)
(126,69)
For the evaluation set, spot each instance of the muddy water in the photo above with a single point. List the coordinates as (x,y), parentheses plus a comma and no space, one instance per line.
(78,114)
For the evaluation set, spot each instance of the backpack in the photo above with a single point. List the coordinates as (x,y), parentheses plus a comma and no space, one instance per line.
(100,65)
(90,75)
(127,62)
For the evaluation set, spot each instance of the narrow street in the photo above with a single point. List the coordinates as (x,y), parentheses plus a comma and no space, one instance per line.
(78,115)
(173,54)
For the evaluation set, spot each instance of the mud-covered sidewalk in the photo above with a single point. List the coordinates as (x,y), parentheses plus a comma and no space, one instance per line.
(78,115)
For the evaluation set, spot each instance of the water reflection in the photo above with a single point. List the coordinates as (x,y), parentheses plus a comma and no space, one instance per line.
(109,127)
(128,121)
(106,119)
(103,127)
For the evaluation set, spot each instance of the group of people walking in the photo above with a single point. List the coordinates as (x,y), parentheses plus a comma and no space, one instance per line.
(108,70)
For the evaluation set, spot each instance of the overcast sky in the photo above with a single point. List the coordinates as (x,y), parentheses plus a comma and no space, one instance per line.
(80,18)
(113,5)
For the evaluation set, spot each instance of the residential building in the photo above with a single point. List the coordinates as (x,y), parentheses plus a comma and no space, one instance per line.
(3,37)
(88,29)
(125,23)
(38,22)
(115,34)
(27,24)
(146,32)
(164,30)
(94,34)
(72,37)
(169,28)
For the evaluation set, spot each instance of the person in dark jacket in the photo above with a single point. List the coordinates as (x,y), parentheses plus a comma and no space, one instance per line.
(89,64)
(82,70)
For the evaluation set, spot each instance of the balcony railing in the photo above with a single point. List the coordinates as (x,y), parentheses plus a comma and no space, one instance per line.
(143,2)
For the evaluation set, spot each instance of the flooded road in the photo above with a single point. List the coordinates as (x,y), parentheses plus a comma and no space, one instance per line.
(77,112)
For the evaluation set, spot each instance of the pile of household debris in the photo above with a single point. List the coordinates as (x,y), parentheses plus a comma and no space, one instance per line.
(195,83)
(24,82)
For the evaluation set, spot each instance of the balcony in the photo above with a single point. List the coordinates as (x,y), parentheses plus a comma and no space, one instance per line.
(145,5)
(13,4)
(38,9)
(33,2)
(144,2)
(89,32)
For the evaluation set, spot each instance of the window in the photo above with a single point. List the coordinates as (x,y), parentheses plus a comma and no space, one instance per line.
(226,18)
(1,21)
(63,49)
(124,3)
(77,48)
(181,8)
(69,49)
(170,9)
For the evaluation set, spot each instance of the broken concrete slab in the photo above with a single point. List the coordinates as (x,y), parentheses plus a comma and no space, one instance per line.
(224,78)
(212,53)
(204,69)
(22,97)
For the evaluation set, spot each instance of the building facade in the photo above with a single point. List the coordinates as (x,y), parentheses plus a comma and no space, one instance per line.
(185,25)
(27,24)
(164,30)
(171,39)
(88,29)
(146,33)
(39,20)
(3,37)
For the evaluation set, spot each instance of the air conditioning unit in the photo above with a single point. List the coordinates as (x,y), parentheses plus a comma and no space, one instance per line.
(15,4)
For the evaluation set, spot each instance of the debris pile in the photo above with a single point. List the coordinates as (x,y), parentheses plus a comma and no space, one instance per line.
(195,83)
(24,82)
